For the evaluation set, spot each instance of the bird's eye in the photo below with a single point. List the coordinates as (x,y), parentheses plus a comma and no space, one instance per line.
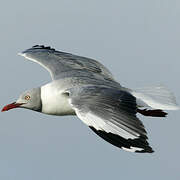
(27,97)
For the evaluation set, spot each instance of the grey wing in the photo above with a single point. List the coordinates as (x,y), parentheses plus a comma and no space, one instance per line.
(57,62)
(111,114)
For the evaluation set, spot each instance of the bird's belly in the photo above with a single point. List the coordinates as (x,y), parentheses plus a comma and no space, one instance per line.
(56,104)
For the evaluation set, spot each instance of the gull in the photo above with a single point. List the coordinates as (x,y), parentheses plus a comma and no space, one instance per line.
(84,87)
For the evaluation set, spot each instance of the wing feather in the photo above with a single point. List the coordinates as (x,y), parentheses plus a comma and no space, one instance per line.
(111,114)
(57,62)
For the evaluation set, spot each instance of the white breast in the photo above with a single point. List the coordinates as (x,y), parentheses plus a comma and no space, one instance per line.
(54,101)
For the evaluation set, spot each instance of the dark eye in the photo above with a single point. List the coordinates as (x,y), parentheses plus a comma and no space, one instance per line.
(27,97)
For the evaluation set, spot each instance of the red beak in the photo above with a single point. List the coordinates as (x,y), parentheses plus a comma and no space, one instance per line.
(11,106)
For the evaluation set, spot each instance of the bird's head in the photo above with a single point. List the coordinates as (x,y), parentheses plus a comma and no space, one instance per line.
(30,99)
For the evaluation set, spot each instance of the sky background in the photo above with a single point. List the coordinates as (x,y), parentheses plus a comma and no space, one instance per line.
(138,41)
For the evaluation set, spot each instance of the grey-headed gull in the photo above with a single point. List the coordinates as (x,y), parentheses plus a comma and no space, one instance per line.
(82,86)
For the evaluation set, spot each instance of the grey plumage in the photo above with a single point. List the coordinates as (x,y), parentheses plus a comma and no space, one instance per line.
(34,99)
(59,63)
(117,109)
(115,106)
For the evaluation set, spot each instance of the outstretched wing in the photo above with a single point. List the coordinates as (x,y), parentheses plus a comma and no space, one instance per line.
(111,114)
(57,62)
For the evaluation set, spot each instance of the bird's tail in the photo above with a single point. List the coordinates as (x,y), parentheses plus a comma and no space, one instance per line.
(155,97)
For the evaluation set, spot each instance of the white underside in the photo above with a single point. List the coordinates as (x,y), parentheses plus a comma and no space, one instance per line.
(98,123)
(54,102)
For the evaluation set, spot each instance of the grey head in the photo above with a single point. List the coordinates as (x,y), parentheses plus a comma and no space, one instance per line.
(30,99)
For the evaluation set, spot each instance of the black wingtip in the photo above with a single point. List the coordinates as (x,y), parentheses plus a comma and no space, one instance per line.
(42,47)
(138,145)
(146,150)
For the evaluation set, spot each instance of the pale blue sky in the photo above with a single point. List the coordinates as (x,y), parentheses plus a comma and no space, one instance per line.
(138,41)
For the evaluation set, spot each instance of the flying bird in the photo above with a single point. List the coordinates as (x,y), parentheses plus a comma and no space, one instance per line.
(84,87)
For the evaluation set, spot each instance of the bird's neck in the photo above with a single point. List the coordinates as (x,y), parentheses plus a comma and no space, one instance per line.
(54,102)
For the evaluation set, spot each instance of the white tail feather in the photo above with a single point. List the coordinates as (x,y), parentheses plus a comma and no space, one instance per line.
(156,97)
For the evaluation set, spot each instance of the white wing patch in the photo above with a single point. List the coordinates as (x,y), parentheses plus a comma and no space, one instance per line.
(101,124)
(132,149)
